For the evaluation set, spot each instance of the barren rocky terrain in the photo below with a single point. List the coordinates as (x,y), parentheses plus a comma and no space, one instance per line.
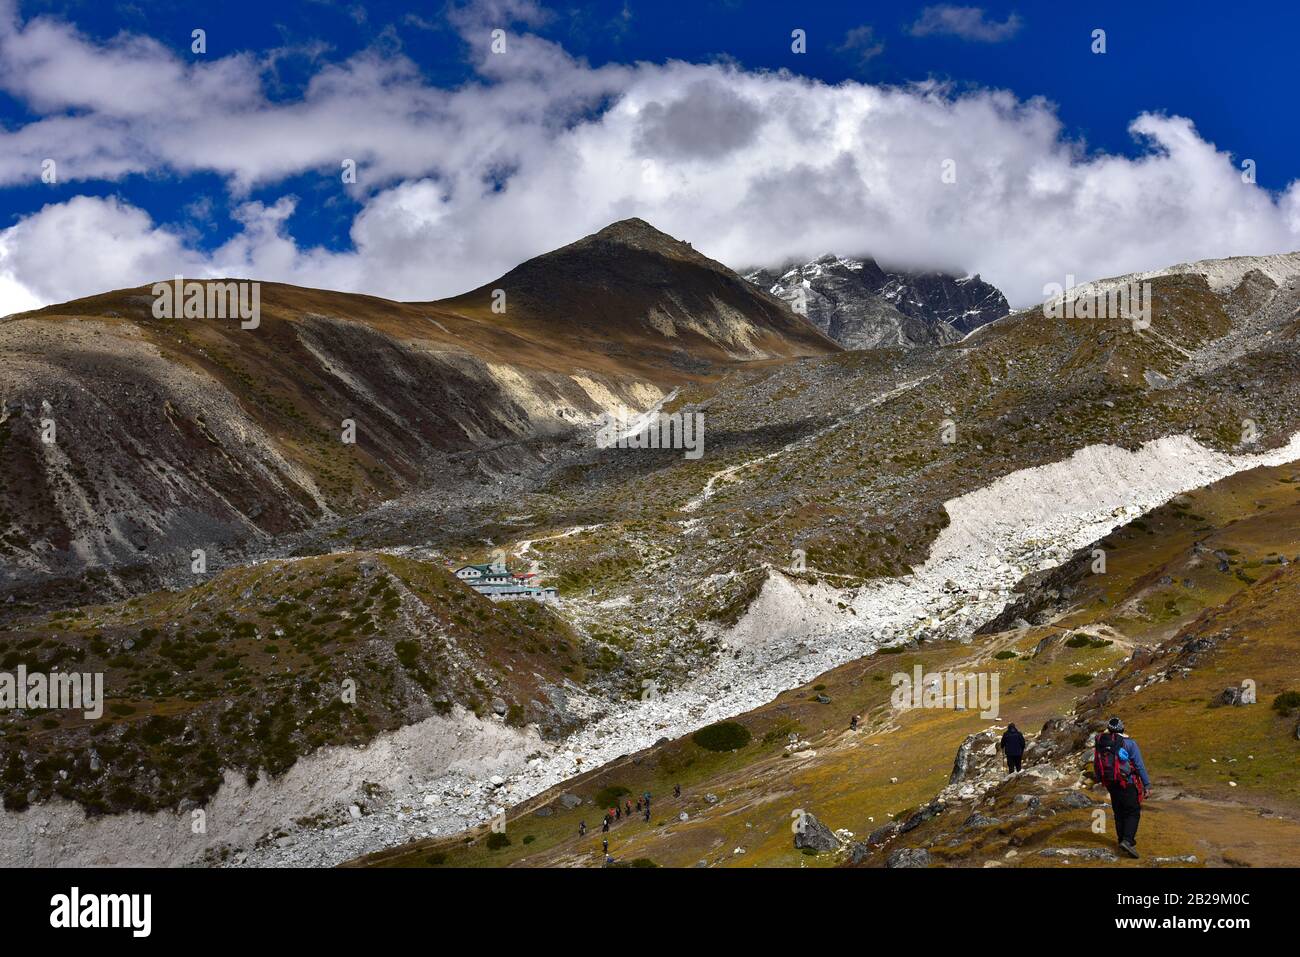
(851,507)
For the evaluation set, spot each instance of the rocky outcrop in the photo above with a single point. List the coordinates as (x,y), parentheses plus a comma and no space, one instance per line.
(812,834)
(861,306)
(1233,697)
(1059,736)
(909,857)
(976,757)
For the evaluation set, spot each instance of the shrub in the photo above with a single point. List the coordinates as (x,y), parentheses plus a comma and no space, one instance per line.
(496,840)
(608,797)
(1004,655)
(1078,680)
(1286,702)
(436,859)
(723,736)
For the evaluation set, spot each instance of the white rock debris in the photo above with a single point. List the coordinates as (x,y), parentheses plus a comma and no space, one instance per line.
(996,535)
(441,775)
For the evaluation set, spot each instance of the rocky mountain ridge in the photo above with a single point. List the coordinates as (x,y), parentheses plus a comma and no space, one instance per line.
(171,435)
(862,306)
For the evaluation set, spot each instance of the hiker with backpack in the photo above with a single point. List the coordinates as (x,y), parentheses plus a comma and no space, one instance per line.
(1117,762)
(1013,747)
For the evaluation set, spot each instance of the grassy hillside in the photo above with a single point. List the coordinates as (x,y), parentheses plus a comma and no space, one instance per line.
(1228,785)
(247,672)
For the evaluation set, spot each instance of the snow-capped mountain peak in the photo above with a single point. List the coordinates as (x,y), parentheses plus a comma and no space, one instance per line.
(863,306)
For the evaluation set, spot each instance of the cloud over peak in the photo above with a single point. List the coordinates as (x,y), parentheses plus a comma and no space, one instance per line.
(457,185)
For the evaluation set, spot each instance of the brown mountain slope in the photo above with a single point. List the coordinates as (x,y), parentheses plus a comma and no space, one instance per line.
(630,286)
(177,434)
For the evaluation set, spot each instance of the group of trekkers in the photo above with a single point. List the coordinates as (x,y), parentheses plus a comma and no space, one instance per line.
(1116,763)
(618,812)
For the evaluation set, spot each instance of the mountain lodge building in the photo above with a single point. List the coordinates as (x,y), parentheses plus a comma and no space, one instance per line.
(495,580)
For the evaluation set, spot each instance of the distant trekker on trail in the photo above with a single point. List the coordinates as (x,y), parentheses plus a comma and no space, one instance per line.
(582,829)
(853,723)
(1013,746)
(677,790)
(1117,762)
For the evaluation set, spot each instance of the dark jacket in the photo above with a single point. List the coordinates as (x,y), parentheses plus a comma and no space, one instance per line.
(1013,742)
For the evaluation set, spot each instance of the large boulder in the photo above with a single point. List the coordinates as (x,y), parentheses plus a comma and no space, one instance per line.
(812,834)
(883,835)
(976,755)
(919,817)
(1044,773)
(1059,736)
(1077,799)
(909,857)
(1232,697)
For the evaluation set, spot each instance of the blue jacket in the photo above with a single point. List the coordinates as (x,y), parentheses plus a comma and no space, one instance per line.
(1135,756)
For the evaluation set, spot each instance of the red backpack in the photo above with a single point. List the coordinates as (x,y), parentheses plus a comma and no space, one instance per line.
(1111,769)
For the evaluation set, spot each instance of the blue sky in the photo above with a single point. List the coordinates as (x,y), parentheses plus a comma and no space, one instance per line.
(697,116)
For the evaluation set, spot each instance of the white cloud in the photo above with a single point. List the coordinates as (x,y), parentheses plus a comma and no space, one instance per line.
(862,44)
(85,245)
(459,185)
(968,23)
